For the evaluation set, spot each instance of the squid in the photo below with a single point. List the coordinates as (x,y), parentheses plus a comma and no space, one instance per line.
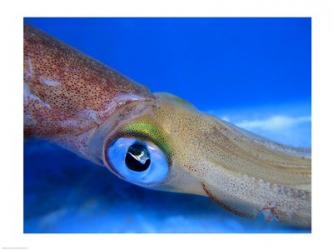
(158,140)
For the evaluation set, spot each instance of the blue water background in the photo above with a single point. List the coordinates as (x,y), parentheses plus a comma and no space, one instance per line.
(254,72)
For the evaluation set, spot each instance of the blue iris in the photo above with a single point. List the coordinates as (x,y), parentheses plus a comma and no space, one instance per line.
(137,161)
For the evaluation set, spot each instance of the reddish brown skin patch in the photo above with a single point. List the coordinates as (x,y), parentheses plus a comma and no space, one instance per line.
(226,207)
(274,212)
(68,93)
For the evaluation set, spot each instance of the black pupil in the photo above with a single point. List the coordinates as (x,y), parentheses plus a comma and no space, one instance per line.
(137,157)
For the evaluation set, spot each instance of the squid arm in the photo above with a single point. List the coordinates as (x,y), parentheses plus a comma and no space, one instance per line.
(82,105)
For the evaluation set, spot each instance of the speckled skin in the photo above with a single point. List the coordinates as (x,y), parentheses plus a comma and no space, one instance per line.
(82,105)
(246,174)
(68,95)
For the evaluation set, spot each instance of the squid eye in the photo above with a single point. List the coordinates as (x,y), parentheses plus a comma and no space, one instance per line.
(137,161)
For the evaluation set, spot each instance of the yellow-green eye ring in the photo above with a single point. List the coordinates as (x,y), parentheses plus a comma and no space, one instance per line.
(139,154)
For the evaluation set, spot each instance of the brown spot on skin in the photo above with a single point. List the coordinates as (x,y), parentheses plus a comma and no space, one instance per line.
(222,204)
(270,212)
(191,168)
(67,93)
(81,104)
